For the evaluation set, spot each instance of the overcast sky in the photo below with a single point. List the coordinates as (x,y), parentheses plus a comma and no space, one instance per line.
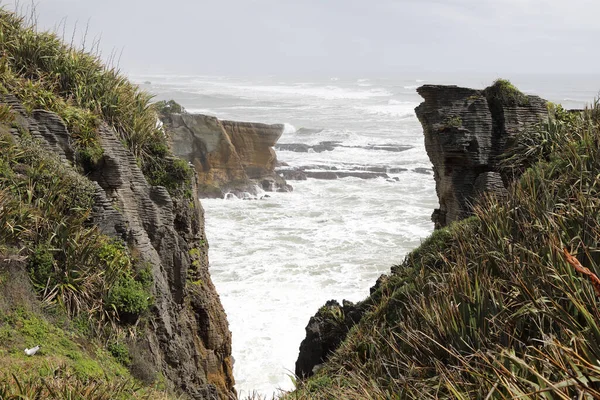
(262,37)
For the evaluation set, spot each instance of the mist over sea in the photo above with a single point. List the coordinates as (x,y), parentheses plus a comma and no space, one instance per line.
(275,261)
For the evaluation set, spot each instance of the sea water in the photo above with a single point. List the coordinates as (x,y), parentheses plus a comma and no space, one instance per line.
(275,261)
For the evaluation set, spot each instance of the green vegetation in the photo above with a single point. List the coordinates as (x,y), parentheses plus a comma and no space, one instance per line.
(164,107)
(506,93)
(128,297)
(65,285)
(44,211)
(454,122)
(68,364)
(45,73)
(489,307)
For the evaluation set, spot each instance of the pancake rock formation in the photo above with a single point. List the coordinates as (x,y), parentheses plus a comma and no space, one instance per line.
(466,131)
(187,339)
(229,157)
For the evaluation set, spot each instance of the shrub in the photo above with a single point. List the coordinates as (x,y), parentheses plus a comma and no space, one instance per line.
(119,351)
(41,265)
(128,297)
(168,107)
(506,93)
(45,73)
(172,173)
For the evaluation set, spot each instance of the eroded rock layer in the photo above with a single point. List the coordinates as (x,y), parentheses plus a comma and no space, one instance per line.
(466,132)
(229,157)
(187,338)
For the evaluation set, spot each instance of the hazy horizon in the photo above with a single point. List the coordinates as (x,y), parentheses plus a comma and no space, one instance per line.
(335,38)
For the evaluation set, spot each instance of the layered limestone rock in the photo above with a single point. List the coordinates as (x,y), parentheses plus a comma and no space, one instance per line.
(187,338)
(229,157)
(325,331)
(466,132)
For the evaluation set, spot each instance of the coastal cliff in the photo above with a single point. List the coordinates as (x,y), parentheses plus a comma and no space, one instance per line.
(103,255)
(466,131)
(186,337)
(228,156)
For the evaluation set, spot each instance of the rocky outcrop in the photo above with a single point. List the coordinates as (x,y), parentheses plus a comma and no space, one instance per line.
(229,157)
(466,132)
(332,145)
(329,172)
(324,333)
(186,338)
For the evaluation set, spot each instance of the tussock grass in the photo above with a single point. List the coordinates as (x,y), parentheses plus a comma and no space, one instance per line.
(490,307)
(45,73)
(44,212)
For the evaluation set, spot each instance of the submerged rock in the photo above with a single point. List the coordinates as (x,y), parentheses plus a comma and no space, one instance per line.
(466,131)
(425,171)
(331,145)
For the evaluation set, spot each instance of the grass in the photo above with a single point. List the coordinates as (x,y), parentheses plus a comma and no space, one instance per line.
(491,307)
(44,213)
(45,73)
(507,94)
(70,363)
(79,293)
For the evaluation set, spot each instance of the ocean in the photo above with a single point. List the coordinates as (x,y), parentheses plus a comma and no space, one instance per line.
(276,260)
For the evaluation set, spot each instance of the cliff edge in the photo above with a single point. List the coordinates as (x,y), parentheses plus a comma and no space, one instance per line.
(466,131)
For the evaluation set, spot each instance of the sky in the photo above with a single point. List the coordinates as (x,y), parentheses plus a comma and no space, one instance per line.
(334,37)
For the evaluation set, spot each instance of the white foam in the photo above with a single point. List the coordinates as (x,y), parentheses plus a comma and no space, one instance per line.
(393,107)
(306,248)
(289,129)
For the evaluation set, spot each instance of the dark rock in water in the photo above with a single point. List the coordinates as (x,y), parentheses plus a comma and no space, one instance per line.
(361,174)
(292,174)
(382,170)
(396,170)
(324,333)
(325,146)
(313,166)
(388,147)
(344,174)
(331,145)
(321,174)
(466,131)
(296,147)
(426,171)
(305,148)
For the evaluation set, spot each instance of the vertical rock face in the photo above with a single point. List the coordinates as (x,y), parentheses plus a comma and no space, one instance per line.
(466,130)
(187,338)
(228,156)
(324,333)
